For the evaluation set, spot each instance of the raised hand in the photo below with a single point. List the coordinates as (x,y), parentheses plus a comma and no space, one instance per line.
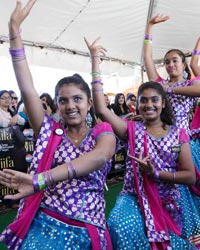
(19,13)
(18,181)
(95,49)
(144,163)
(159,18)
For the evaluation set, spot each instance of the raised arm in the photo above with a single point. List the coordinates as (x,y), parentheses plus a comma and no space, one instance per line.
(148,59)
(119,125)
(195,59)
(22,72)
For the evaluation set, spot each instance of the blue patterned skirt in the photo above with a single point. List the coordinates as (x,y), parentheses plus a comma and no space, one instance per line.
(127,228)
(47,233)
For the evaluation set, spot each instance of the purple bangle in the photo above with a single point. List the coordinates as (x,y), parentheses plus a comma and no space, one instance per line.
(97,81)
(156,175)
(196,52)
(17,35)
(17,52)
(71,170)
(36,184)
(51,178)
(148,37)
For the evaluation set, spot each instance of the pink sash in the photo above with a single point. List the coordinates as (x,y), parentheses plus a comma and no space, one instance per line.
(162,220)
(21,225)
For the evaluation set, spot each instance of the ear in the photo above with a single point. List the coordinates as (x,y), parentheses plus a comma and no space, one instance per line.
(163,105)
(90,103)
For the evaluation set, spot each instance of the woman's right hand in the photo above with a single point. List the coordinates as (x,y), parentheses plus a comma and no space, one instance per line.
(21,182)
(19,14)
(159,18)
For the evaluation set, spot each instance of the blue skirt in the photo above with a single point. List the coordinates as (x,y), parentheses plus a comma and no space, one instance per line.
(127,228)
(47,233)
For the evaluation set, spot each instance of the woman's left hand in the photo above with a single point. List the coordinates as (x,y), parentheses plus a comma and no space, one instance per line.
(95,49)
(145,163)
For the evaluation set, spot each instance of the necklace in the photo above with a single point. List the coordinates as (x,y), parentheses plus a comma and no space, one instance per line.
(77,139)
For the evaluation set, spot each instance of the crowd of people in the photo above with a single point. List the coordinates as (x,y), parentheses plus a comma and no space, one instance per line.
(77,135)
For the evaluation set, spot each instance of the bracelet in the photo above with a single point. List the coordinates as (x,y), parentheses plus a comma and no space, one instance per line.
(196,52)
(147,41)
(170,90)
(51,178)
(95,73)
(97,81)
(156,175)
(71,171)
(173,176)
(17,54)
(148,37)
(39,182)
(17,35)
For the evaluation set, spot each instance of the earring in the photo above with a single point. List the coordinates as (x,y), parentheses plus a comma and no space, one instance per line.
(89,119)
(185,75)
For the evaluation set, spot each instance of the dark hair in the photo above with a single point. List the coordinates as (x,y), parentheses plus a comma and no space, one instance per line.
(50,101)
(166,114)
(130,96)
(4,91)
(116,108)
(182,55)
(78,81)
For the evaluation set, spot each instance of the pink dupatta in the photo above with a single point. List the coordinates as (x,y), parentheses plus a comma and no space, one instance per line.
(162,220)
(21,225)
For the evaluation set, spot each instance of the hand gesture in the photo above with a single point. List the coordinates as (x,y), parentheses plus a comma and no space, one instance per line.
(159,18)
(19,13)
(95,49)
(145,164)
(18,181)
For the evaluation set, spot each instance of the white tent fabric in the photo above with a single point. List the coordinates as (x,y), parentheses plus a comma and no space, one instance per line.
(54,31)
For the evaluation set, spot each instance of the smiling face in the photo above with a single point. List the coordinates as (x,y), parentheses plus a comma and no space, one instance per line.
(174,64)
(150,105)
(73,104)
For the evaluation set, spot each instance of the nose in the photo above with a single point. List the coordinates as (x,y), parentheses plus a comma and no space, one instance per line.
(69,105)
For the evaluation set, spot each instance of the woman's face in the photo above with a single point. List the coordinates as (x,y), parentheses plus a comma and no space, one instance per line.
(107,101)
(174,65)
(73,105)
(150,104)
(121,100)
(5,100)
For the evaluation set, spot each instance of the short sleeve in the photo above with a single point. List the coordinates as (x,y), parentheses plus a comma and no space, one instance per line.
(101,129)
(183,136)
(195,79)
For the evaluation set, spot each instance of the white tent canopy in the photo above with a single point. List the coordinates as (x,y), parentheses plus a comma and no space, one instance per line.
(54,31)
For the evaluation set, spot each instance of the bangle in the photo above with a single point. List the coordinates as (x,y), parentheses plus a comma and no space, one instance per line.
(35,184)
(148,37)
(147,41)
(97,81)
(196,52)
(95,73)
(170,90)
(39,182)
(15,36)
(17,54)
(71,171)
(173,176)
(156,175)
(51,178)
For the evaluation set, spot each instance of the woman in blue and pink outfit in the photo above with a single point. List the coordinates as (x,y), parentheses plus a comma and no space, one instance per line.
(182,93)
(64,206)
(147,214)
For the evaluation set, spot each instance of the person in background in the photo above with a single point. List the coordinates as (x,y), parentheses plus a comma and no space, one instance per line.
(119,106)
(107,101)
(131,103)
(159,159)
(7,117)
(14,101)
(69,167)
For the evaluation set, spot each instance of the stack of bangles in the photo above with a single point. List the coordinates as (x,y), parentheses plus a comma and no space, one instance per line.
(46,179)
(196,52)
(95,83)
(17,54)
(147,39)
